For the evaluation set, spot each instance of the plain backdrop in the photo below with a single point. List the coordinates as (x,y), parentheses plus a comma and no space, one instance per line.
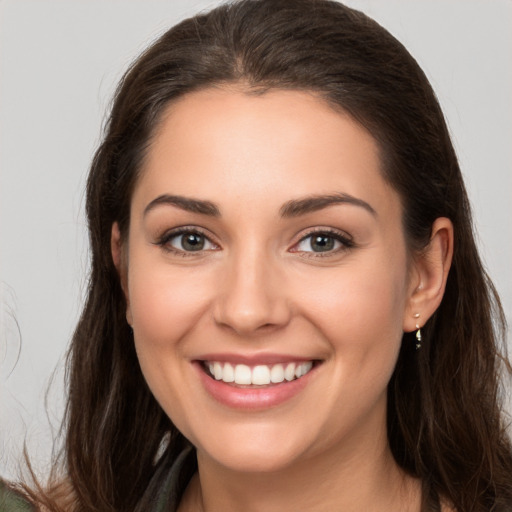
(59,63)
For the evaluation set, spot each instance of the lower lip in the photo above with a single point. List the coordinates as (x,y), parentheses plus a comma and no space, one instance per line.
(252,397)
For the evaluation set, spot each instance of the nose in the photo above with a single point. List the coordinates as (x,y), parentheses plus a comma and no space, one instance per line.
(252,295)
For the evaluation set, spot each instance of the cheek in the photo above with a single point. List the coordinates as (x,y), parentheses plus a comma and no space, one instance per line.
(166,304)
(359,309)
(359,313)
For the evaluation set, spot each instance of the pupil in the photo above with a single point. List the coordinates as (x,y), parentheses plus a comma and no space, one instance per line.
(192,242)
(322,243)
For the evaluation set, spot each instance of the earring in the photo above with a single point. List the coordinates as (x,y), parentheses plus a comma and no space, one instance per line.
(418,333)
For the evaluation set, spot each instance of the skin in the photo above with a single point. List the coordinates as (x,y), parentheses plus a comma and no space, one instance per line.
(257,288)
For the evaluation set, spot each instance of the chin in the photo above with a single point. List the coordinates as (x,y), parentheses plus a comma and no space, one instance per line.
(247,460)
(259,452)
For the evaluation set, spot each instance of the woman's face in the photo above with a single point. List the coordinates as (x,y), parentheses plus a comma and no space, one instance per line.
(264,243)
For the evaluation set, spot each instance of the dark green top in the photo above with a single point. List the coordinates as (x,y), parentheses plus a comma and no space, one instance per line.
(169,482)
(12,502)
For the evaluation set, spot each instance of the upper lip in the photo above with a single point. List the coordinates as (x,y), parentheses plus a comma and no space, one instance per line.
(254,359)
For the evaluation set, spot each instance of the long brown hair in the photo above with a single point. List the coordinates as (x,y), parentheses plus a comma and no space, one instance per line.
(445,423)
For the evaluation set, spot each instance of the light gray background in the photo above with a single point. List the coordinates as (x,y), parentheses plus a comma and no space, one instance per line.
(59,62)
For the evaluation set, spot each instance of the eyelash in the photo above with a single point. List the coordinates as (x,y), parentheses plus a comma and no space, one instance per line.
(164,240)
(345,241)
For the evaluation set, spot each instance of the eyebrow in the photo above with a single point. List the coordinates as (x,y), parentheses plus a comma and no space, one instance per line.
(293,208)
(185,203)
(297,207)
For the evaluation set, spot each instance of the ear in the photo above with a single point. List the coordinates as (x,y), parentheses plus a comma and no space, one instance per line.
(120,262)
(428,275)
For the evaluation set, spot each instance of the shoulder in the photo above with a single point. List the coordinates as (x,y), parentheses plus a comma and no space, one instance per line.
(11,501)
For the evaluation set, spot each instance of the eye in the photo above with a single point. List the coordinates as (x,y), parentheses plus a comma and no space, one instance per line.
(323,242)
(187,241)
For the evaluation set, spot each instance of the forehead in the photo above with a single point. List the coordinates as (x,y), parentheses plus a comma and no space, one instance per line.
(219,143)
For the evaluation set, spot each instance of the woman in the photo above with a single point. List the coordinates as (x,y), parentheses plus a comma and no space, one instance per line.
(286,306)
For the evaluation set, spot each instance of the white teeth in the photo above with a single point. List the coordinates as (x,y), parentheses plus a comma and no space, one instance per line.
(303,368)
(242,374)
(306,367)
(217,371)
(260,375)
(289,372)
(228,375)
(277,374)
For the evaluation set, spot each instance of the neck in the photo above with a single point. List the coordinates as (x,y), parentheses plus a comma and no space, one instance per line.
(366,478)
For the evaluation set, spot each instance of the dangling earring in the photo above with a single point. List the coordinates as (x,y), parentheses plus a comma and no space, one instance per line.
(418,333)
(418,337)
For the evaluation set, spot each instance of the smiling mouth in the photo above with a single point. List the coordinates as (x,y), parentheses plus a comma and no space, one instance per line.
(258,375)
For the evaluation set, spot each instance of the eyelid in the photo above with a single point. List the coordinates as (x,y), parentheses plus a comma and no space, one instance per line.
(343,237)
(163,240)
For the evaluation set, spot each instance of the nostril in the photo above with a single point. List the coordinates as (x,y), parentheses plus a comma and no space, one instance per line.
(248,320)
(249,301)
